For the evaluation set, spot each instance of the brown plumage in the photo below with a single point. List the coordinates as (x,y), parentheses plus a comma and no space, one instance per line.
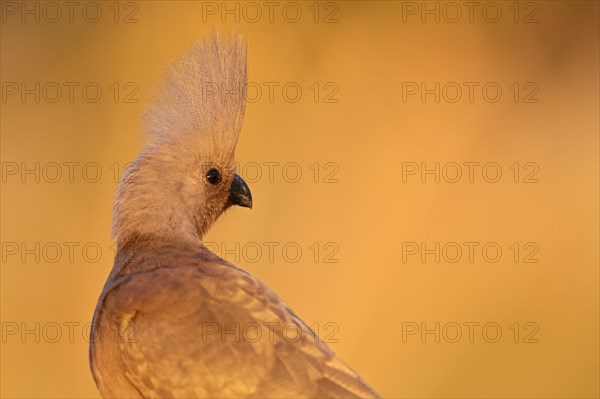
(165,324)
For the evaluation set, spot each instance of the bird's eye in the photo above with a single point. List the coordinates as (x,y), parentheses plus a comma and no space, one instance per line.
(213,177)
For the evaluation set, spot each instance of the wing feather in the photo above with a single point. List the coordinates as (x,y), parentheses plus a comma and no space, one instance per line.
(204,328)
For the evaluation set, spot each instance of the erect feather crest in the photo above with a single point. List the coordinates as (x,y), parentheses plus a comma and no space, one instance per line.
(203,96)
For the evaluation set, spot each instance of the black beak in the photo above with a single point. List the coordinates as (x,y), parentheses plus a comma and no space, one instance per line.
(239,193)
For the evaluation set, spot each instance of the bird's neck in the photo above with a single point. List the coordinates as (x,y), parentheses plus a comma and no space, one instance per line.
(147,206)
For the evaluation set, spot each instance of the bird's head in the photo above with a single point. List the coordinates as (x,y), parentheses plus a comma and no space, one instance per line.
(184,179)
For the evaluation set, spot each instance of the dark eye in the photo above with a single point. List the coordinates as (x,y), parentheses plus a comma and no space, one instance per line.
(213,177)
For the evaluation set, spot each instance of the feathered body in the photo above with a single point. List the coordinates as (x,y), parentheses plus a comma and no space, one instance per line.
(174,320)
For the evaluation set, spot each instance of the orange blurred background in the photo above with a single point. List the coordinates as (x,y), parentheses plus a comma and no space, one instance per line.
(408,112)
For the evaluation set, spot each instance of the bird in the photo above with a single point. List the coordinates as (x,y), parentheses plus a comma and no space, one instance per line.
(174,320)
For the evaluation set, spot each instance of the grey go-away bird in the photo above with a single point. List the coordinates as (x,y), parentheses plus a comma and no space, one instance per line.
(174,320)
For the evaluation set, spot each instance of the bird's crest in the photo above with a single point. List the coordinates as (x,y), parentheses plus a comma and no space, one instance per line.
(203,96)
(194,121)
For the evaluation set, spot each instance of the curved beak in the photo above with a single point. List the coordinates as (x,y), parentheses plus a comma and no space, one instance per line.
(239,193)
